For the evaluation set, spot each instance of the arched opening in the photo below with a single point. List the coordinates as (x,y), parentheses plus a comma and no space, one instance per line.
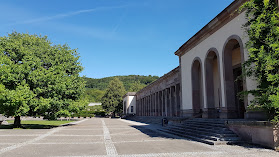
(197,97)
(213,87)
(233,57)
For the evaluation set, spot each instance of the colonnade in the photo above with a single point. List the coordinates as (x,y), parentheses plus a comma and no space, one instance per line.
(161,103)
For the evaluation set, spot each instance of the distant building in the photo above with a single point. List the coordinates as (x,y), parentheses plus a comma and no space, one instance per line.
(129,103)
(94,103)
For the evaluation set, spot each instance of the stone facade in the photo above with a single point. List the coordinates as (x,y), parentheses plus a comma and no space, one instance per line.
(203,85)
(211,62)
(162,97)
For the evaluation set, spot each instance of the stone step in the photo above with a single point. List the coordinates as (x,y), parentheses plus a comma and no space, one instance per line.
(208,136)
(188,137)
(206,140)
(208,132)
(205,123)
(202,140)
(212,138)
(204,128)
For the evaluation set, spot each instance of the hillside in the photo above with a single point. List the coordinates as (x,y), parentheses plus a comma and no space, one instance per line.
(102,83)
(95,88)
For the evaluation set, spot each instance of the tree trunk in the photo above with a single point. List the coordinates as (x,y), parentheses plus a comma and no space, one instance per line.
(17,122)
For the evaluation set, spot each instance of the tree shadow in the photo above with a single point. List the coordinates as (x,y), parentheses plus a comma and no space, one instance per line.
(28,126)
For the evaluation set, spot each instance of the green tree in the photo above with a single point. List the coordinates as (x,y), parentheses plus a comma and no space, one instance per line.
(263,47)
(136,86)
(94,95)
(112,100)
(38,78)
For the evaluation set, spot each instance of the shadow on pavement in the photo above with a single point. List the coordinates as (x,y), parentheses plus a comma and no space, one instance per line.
(151,130)
(28,126)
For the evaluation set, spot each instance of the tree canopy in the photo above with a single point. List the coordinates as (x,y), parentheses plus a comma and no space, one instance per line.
(112,100)
(38,77)
(136,86)
(263,47)
(128,81)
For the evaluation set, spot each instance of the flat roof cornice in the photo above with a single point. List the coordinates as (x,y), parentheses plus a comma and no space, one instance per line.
(219,21)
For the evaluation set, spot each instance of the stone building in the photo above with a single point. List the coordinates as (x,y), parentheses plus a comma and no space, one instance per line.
(211,62)
(162,97)
(204,84)
(129,103)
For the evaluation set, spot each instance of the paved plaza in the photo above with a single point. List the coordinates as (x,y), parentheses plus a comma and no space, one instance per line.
(99,137)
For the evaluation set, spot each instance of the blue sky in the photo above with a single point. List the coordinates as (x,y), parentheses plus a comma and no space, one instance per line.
(114,37)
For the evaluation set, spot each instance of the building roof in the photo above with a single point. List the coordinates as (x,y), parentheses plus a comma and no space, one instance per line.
(129,94)
(219,21)
(175,70)
(94,103)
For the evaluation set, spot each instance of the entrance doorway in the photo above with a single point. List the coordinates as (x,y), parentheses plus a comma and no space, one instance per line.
(197,98)
(238,87)
(213,85)
(234,84)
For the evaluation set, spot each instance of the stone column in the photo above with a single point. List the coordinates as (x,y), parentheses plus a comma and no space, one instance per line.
(160,103)
(166,102)
(151,105)
(156,104)
(175,101)
(145,106)
(178,99)
(140,108)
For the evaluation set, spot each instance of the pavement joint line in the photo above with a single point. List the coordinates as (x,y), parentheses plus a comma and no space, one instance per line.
(65,135)
(110,148)
(63,143)
(20,135)
(18,145)
(126,134)
(77,122)
(179,154)
(141,141)
(82,129)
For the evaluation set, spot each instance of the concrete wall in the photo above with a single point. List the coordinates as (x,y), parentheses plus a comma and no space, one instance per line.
(262,133)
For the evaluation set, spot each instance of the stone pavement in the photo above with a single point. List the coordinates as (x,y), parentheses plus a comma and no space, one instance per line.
(99,137)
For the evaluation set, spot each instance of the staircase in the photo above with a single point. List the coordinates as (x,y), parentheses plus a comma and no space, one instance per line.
(146,119)
(209,131)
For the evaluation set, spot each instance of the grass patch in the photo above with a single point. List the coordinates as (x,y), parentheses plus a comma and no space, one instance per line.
(35,124)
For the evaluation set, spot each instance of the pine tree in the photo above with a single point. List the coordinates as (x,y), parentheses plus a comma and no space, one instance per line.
(112,100)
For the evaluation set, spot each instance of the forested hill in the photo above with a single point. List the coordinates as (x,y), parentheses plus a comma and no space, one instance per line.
(101,84)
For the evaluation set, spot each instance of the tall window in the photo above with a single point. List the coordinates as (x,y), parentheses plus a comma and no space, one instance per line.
(132,108)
